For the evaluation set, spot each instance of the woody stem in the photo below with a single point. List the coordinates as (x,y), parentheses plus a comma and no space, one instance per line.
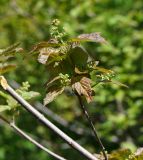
(92,126)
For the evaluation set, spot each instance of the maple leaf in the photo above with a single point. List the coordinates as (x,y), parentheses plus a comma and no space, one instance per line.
(89,37)
(94,37)
(83,88)
(45,53)
(50,43)
(7,53)
(53,92)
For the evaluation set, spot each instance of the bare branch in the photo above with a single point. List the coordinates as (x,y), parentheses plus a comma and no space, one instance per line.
(26,136)
(75,128)
(49,124)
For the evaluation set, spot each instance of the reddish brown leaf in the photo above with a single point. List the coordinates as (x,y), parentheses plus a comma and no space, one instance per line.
(53,92)
(83,87)
(52,81)
(50,43)
(45,53)
(94,37)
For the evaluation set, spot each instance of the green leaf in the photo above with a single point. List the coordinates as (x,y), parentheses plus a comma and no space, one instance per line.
(103,70)
(9,100)
(121,154)
(28,95)
(12,102)
(25,93)
(4,108)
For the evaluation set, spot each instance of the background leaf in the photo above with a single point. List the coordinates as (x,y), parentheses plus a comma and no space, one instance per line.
(4,108)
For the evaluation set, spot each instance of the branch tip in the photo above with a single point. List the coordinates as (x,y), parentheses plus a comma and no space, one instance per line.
(3,82)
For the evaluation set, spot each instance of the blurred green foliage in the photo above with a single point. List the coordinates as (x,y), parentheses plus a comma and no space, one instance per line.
(117,112)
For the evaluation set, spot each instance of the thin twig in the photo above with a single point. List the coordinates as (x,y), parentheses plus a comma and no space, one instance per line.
(46,122)
(26,136)
(92,126)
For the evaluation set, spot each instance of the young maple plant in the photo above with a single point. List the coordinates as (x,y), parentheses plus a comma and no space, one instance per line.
(69,64)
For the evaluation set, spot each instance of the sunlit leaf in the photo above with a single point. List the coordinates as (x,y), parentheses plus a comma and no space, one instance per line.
(43,56)
(103,70)
(91,37)
(50,43)
(52,54)
(80,72)
(83,88)
(53,92)
(45,53)
(138,155)
(4,108)
(25,93)
(12,102)
(28,95)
